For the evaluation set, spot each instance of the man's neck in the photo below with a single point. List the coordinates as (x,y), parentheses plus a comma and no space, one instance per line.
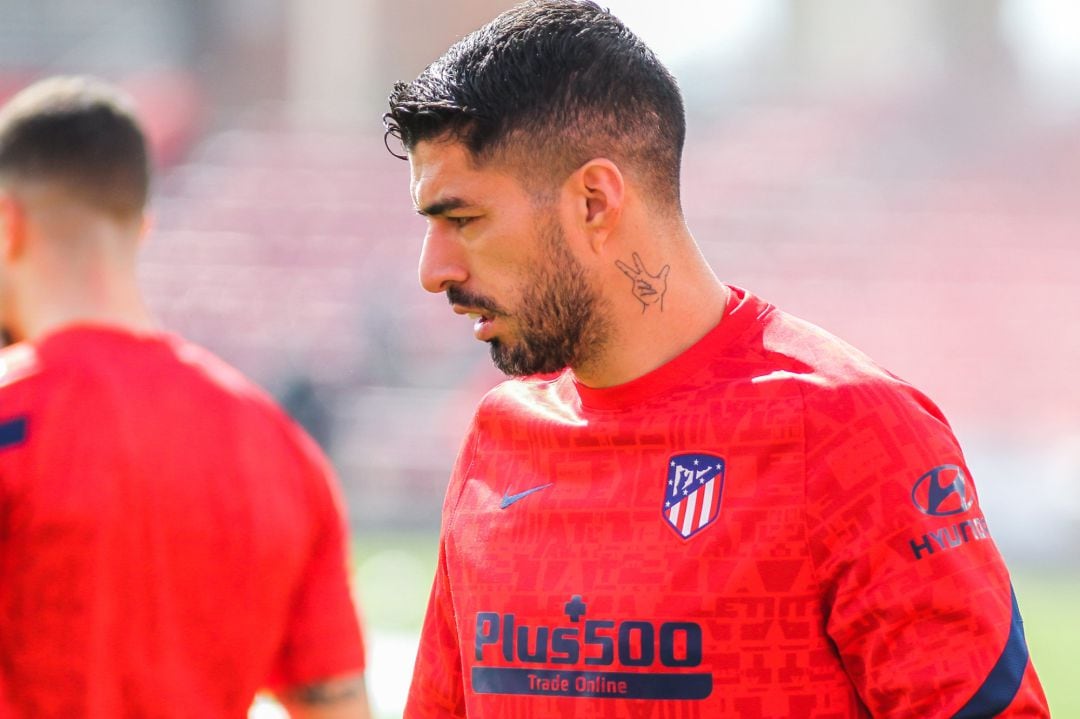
(113,302)
(77,267)
(655,315)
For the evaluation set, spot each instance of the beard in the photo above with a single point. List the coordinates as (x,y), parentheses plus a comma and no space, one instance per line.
(559,318)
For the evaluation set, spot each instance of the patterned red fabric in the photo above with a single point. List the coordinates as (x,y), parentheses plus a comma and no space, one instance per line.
(170,542)
(847,572)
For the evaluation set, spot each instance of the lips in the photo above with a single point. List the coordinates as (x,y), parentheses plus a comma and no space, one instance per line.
(484,328)
(472,313)
(483,321)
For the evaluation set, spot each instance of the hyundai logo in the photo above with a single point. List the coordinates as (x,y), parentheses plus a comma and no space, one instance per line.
(943,491)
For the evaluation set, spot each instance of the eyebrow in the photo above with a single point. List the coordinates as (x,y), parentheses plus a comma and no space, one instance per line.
(442,207)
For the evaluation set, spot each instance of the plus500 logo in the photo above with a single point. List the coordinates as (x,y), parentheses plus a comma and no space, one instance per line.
(597,642)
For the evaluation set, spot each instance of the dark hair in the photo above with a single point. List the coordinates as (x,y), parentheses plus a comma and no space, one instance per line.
(559,80)
(81,133)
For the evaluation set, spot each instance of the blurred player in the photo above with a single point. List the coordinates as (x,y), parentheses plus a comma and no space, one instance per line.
(691,504)
(170,542)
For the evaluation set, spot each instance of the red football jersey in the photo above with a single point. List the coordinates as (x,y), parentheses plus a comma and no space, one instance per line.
(170,542)
(767,526)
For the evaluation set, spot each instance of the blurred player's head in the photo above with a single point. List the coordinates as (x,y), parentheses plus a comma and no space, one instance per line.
(524,138)
(74,181)
(80,135)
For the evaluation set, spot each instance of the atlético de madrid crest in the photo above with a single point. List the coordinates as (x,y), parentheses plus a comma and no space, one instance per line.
(695,483)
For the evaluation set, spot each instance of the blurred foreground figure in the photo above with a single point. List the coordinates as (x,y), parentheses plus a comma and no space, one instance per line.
(690,504)
(170,542)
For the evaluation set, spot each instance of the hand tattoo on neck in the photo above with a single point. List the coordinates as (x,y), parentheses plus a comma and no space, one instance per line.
(648,288)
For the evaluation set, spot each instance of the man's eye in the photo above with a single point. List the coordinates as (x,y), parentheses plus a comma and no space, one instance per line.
(461,221)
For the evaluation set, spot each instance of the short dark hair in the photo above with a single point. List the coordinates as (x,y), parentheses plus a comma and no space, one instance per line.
(79,132)
(561,80)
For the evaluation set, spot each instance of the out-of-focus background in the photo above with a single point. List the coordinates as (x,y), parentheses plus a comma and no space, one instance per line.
(904,174)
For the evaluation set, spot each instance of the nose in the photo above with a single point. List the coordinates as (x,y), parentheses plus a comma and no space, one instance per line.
(442,261)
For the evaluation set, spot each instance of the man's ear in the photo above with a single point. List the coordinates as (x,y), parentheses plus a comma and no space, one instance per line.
(599,191)
(12,226)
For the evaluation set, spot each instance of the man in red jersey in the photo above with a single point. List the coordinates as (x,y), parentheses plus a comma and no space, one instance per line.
(170,542)
(689,504)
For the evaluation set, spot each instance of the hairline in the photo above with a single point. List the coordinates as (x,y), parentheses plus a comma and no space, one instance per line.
(510,154)
(498,157)
(73,96)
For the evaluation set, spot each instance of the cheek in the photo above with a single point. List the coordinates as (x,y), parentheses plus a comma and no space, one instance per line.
(500,264)
(510,289)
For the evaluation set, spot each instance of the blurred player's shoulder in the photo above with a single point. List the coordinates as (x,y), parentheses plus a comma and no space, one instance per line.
(213,369)
(236,388)
(149,367)
(18,362)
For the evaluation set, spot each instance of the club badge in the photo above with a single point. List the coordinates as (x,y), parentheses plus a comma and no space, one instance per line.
(695,483)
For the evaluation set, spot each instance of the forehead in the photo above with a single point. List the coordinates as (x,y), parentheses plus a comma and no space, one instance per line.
(445,170)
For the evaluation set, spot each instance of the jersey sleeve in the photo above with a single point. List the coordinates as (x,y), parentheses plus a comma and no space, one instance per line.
(323,639)
(437,688)
(918,599)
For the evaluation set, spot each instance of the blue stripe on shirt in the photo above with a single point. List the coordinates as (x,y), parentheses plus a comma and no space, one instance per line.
(1001,685)
(12,432)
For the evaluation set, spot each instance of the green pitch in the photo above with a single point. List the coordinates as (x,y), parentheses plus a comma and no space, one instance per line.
(1050,604)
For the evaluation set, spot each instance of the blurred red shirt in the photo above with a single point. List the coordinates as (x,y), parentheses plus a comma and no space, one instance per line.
(170,542)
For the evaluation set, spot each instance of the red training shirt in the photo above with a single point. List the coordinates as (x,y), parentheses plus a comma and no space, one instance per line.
(767,526)
(170,542)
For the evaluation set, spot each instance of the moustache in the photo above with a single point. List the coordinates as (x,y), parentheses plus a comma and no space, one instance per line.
(457,296)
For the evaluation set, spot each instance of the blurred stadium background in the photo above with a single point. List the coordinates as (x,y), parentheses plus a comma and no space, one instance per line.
(904,174)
